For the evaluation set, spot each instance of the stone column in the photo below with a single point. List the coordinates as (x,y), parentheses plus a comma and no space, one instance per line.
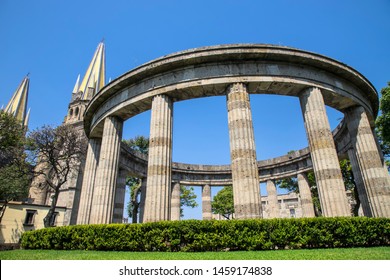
(206,203)
(379,149)
(374,176)
(175,202)
(273,204)
(107,171)
(87,189)
(246,186)
(326,164)
(305,194)
(157,203)
(360,188)
(142,201)
(119,201)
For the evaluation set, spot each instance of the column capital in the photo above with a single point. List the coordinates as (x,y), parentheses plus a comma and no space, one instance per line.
(237,87)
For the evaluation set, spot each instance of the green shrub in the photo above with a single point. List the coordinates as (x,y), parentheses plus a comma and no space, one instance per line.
(194,236)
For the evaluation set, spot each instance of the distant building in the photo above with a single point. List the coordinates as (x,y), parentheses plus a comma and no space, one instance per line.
(20,217)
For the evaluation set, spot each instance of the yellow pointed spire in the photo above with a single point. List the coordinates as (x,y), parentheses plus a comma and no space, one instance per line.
(18,104)
(77,85)
(95,76)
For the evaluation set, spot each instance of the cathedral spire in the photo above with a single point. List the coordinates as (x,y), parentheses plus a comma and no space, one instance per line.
(94,78)
(17,106)
(77,85)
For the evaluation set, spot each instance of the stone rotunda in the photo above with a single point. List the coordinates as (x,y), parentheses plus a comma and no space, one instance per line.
(234,71)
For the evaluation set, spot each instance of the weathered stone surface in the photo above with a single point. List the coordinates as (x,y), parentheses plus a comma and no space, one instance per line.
(374,176)
(273,205)
(206,203)
(158,190)
(175,202)
(306,197)
(326,165)
(107,171)
(87,189)
(209,71)
(245,175)
(142,201)
(119,200)
(360,187)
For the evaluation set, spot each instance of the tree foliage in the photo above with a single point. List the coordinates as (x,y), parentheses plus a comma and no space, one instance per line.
(56,153)
(138,143)
(383,121)
(187,198)
(15,175)
(12,139)
(223,203)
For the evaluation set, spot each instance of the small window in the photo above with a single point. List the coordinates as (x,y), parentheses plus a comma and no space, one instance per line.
(71,112)
(53,219)
(77,111)
(29,220)
(292,213)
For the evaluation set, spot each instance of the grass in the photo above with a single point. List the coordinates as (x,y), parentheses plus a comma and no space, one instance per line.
(372,253)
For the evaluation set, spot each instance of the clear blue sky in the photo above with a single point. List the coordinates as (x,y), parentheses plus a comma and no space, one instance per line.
(55,41)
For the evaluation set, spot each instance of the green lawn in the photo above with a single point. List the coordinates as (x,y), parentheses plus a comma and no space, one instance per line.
(374,253)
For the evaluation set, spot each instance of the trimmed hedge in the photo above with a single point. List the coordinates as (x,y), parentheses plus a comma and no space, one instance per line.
(194,236)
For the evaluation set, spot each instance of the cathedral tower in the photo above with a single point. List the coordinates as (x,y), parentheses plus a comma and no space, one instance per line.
(92,82)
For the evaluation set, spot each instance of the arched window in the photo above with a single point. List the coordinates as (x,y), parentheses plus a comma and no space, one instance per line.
(77,111)
(71,112)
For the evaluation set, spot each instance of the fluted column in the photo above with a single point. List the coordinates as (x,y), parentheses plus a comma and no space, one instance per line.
(273,205)
(306,197)
(246,187)
(119,201)
(360,188)
(326,165)
(382,157)
(87,189)
(107,171)
(157,203)
(374,176)
(142,201)
(206,203)
(175,202)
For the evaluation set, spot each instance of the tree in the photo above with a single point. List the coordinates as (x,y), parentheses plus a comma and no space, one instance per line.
(187,195)
(134,185)
(223,203)
(187,198)
(12,138)
(140,144)
(383,121)
(56,153)
(15,173)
